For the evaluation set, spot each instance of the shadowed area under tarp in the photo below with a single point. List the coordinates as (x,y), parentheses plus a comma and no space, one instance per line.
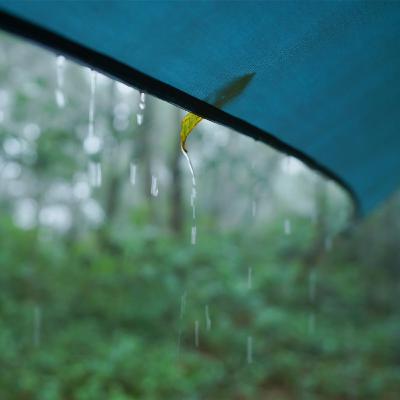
(325,86)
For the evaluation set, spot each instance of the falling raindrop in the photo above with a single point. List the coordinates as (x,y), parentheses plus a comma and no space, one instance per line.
(94,173)
(249,278)
(142,106)
(196,333)
(37,325)
(249,355)
(92,144)
(287,226)
(132,173)
(60,98)
(154,187)
(193,202)
(208,319)
(194,235)
(139,118)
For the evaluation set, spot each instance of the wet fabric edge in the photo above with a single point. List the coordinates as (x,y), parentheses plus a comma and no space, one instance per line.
(132,77)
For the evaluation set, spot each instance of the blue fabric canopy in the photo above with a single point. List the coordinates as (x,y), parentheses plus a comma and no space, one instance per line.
(326,84)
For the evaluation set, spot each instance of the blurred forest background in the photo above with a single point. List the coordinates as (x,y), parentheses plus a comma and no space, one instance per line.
(283,295)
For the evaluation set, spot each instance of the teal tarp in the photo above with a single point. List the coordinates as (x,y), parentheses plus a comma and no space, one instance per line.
(326,78)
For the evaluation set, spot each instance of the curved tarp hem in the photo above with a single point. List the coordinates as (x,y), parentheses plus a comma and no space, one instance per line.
(146,83)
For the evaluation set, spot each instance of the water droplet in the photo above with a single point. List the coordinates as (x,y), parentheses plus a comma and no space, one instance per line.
(95,176)
(287,227)
(92,144)
(60,99)
(132,173)
(154,187)
(194,235)
(249,355)
(196,333)
(92,103)
(208,319)
(37,325)
(193,202)
(142,106)
(249,278)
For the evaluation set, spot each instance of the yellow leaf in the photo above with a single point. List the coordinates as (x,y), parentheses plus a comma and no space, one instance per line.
(223,96)
(188,124)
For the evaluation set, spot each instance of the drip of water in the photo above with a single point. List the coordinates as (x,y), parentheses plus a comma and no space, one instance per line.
(312,284)
(193,202)
(194,235)
(193,196)
(249,278)
(132,173)
(154,187)
(94,172)
(196,333)
(253,208)
(92,144)
(208,319)
(287,226)
(60,98)
(142,106)
(249,354)
(37,325)
(92,104)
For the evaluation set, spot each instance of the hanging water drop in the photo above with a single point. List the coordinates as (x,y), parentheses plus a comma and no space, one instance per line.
(193,235)
(92,103)
(208,319)
(193,202)
(94,172)
(37,325)
(142,106)
(249,355)
(287,226)
(154,187)
(132,173)
(60,98)
(193,196)
(196,333)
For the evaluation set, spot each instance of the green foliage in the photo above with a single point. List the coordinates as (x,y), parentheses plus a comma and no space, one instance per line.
(111,325)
